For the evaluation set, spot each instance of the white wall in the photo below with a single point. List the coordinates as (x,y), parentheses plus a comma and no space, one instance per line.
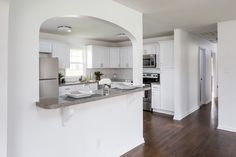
(28,132)
(186,47)
(4,11)
(227,75)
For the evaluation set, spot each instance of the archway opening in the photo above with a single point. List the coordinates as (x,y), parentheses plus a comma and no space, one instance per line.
(78,49)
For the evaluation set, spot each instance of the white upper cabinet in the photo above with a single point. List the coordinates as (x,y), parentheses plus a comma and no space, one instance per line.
(45,46)
(62,52)
(114,57)
(166,54)
(126,57)
(150,49)
(109,57)
(98,57)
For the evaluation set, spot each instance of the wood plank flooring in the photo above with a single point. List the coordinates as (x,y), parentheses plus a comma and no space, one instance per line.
(194,136)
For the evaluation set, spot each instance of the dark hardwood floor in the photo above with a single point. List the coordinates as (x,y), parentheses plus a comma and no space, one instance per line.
(194,136)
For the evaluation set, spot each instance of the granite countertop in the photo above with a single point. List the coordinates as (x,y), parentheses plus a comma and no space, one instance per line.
(55,103)
(76,83)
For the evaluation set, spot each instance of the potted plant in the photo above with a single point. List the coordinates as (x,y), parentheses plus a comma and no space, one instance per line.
(98,75)
(61,78)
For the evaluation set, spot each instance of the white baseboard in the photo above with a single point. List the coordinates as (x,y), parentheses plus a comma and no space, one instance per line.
(226,128)
(185,114)
(129,147)
(163,111)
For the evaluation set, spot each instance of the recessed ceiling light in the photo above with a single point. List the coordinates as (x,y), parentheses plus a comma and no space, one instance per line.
(66,29)
(121,35)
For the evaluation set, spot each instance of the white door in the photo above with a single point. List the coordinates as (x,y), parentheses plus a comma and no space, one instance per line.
(202,71)
(114,57)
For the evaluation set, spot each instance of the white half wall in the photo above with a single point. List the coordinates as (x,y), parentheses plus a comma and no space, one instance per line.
(186,47)
(227,75)
(4,13)
(26,127)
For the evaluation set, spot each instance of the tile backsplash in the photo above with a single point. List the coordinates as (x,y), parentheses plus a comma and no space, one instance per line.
(123,74)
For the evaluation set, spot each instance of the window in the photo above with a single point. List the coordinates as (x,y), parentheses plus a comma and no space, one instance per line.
(77,65)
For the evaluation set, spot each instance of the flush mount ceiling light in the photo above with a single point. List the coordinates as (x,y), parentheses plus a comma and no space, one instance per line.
(66,29)
(121,35)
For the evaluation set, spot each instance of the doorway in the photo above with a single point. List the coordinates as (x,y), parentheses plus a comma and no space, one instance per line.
(202,74)
(214,85)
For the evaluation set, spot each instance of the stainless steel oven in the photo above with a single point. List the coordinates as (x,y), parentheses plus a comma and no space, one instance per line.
(149,61)
(148,79)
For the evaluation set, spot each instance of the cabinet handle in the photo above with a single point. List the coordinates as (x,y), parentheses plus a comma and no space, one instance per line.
(67,88)
(127,65)
(101,65)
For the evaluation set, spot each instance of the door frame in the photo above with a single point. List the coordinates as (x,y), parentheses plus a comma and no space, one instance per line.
(202,79)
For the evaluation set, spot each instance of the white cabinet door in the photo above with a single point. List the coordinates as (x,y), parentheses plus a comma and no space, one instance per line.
(166,54)
(98,57)
(126,57)
(105,57)
(62,52)
(156,97)
(114,57)
(45,46)
(149,49)
(167,90)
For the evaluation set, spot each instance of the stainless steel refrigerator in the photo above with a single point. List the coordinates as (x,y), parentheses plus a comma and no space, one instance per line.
(48,77)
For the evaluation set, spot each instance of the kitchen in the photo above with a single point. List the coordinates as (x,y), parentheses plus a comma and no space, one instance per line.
(113,60)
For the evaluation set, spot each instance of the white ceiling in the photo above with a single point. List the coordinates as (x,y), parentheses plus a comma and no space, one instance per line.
(85,28)
(198,16)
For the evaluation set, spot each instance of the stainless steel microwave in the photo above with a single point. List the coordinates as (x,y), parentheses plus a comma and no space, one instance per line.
(149,61)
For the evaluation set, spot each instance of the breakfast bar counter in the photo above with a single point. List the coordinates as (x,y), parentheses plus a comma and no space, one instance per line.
(63,101)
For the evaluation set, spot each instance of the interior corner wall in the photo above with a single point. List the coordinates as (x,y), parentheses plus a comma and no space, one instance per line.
(227,75)
(29,134)
(186,48)
(4,14)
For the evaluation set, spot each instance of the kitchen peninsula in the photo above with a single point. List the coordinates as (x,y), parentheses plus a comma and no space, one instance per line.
(101,123)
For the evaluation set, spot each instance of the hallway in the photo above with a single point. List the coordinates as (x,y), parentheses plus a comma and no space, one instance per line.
(195,136)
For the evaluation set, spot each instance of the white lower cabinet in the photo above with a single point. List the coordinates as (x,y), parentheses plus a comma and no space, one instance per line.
(167,90)
(156,96)
(163,94)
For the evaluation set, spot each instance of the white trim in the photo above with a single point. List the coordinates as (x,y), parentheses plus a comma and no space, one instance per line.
(129,147)
(182,116)
(163,111)
(226,128)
